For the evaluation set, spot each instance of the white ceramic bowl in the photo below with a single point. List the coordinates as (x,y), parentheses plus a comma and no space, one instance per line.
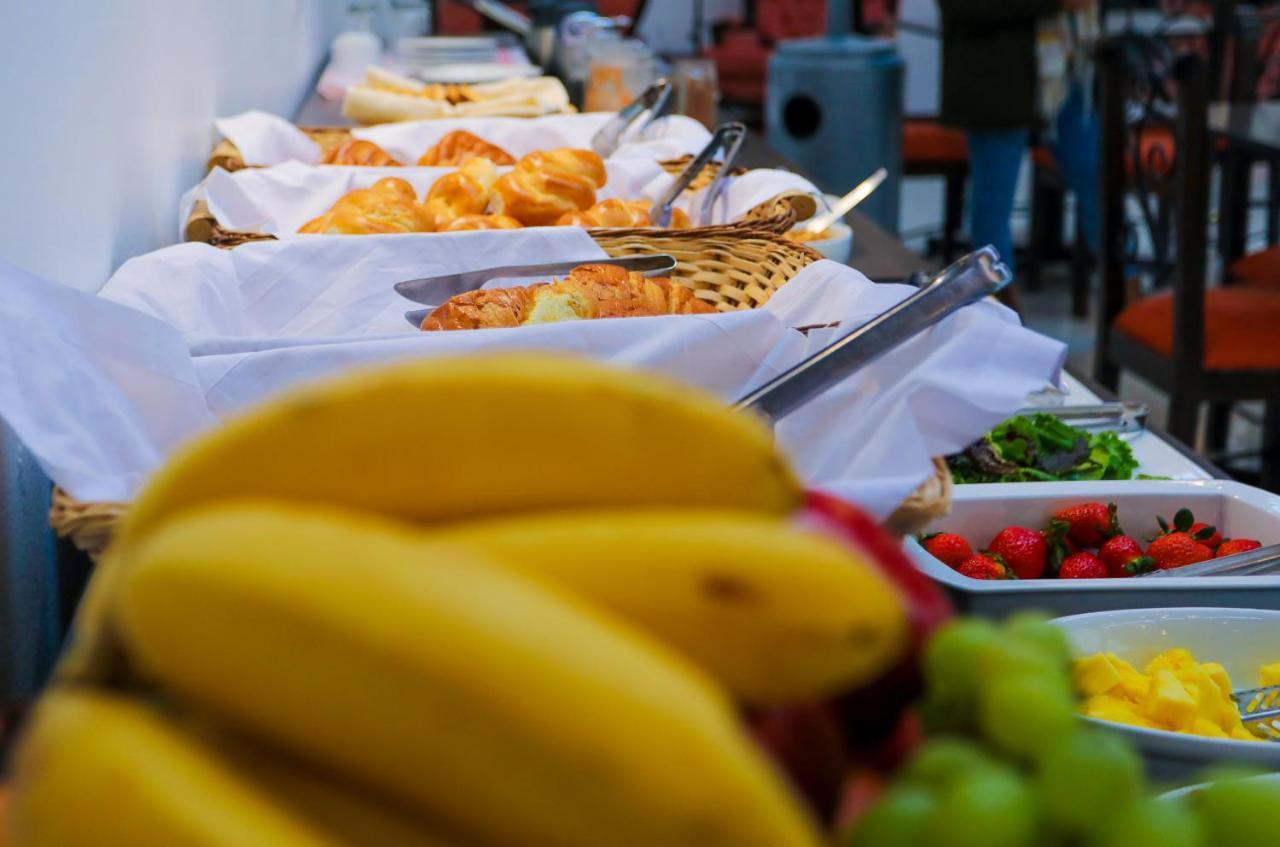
(838,245)
(978,512)
(1242,640)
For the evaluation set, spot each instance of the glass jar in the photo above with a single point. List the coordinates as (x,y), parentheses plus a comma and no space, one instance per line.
(618,72)
(697,90)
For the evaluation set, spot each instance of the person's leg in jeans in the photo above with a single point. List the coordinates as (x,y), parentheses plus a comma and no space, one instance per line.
(995,157)
(1076,149)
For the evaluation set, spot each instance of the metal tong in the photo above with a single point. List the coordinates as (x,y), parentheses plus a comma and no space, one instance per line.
(1260,562)
(1260,710)
(1127,416)
(434,290)
(727,136)
(972,278)
(640,112)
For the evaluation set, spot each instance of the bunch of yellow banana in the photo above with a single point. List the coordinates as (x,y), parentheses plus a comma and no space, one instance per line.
(494,601)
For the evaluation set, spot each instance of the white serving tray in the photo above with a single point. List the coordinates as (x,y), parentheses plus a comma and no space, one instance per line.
(1241,640)
(980,511)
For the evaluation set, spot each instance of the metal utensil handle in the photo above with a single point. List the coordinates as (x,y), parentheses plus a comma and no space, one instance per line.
(847,203)
(503,16)
(1264,560)
(729,136)
(734,135)
(641,112)
(1122,415)
(977,275)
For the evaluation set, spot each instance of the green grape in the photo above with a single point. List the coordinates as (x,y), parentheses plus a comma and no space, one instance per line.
(993,807)
(1034,629)
(1023,714)
(898,819)
(1240,812)
(1020,658)
(951,662)
(1085,778)
(939,762)
(1159,823)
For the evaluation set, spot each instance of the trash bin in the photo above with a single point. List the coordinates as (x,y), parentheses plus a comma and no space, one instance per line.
(834,108)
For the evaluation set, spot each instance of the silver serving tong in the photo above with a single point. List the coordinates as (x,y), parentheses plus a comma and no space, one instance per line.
(434,290)
(727,136)
(1260,710)
(640,112)
(1127,416)
(1260,562)
(972,278)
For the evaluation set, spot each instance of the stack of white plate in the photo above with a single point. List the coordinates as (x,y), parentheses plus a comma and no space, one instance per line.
(442,50)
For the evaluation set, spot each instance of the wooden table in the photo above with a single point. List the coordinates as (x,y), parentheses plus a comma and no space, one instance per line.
(876,252)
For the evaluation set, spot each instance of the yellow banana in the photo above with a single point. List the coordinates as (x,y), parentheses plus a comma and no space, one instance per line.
(509,712)
(95,770)
(441,439)
(775,612)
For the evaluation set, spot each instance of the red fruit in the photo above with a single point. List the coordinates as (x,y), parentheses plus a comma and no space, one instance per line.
(1024,551)
(1236,545)
(870,713)
(1082,566)
(1211,539)
(982,566)
(862,788)
(1089,524)
(806,741)
(1176,550)
(1123,557)
(947,547)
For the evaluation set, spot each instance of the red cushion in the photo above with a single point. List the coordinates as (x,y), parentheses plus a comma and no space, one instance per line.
(1261,269)
(929,142)
(742,62)
(1241,327)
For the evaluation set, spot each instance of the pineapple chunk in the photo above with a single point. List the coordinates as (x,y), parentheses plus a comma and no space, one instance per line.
(1169,703)
(1206,727)
(1170,660)
(1108,708)
(1097,674)
(1269,674)
(1218,674)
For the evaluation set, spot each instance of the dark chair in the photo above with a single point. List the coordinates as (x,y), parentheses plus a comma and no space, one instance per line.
(931,149)
(1198,344)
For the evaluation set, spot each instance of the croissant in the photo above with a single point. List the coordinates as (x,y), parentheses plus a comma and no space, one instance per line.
(545,186)
(621,213)
(466,191)
(589,291)
(390,205)
(358,151)
(467,222)
(458,146)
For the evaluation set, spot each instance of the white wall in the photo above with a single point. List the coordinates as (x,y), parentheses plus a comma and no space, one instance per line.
(107,112)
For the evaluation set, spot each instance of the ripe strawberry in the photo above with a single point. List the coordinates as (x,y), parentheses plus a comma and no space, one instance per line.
(1024,551)
(983,566)
(1184,521)
(1212,540)
(1236,545)
(1089,524)
(1176,550)
(1124,557)
(1082,566)
(947,547)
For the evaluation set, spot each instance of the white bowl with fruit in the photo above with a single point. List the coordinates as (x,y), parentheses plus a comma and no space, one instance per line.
(1097,571)
(1162,677)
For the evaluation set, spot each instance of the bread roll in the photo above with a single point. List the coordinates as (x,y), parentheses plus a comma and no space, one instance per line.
(548,185)
(589,291)
(466,191)
(390,205)
(615,212)
(467,222)
(358,151)
(458,146)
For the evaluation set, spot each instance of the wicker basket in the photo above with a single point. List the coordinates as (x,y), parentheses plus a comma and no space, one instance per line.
(775,216)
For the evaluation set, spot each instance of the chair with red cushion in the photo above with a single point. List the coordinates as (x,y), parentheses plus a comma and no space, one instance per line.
(1200,345)
(742,52)
(1259,270)
(931,149)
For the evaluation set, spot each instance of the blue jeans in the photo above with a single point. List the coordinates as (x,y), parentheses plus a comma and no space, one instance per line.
(995,157)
